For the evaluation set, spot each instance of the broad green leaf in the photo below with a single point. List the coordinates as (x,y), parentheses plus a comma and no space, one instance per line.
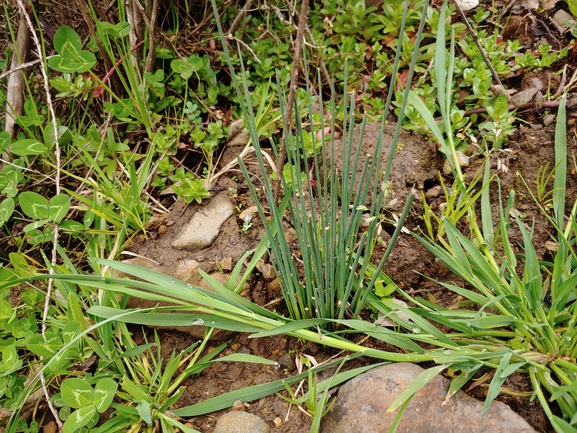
(64,135)
(71,330)
(59,361)
(118,30)
(144,411)
(4,140)
(28,147)
(37,237)
(182,68)
(21,266)
(78,419)
(82,61)
(6,210)
(104,393)
(500,106)
(34,205)
(66,37)
(137,392)
(71,58)
(77,393)
(6,310)
(45,347)
(10,360)
(58,207)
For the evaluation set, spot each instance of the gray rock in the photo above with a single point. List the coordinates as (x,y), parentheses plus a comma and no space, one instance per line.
(240,422)
(362,404)
(205,224)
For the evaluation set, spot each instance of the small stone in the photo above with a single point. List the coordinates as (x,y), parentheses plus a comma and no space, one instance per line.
(266,270)
(248,214)
(362,404)
(467,5)
(564,21)
(277,422)
(433,192)
(240,422)
(274,285)
(462,159)
(162,229)
(238,405)
(50,428)
(205,224)
(187,270)
(287,362)
(549,119)
(226,264)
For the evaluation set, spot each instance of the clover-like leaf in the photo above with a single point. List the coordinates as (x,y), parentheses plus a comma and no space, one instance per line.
(77,393)
(6,210)
(28,146)
(78,419)
(46,345)
(58,207)
(104,393)
(71,58)
(34,205)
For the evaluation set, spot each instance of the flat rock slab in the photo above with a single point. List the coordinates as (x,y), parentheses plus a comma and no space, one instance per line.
(205,224)
(362,404)
(240,422)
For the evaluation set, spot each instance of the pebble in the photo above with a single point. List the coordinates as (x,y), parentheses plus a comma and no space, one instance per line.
(362,404)
(205,224)
(433,192)
(462,159)
(240,422)
(266,269)
(226,264)
(287,362)
(248,214)
(238,405)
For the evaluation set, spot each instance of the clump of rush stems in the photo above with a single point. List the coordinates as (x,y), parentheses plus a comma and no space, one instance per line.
(326,207)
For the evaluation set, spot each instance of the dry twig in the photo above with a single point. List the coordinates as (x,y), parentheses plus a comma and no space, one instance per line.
(43,68)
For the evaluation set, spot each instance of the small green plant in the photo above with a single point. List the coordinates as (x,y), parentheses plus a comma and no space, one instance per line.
(88,401)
